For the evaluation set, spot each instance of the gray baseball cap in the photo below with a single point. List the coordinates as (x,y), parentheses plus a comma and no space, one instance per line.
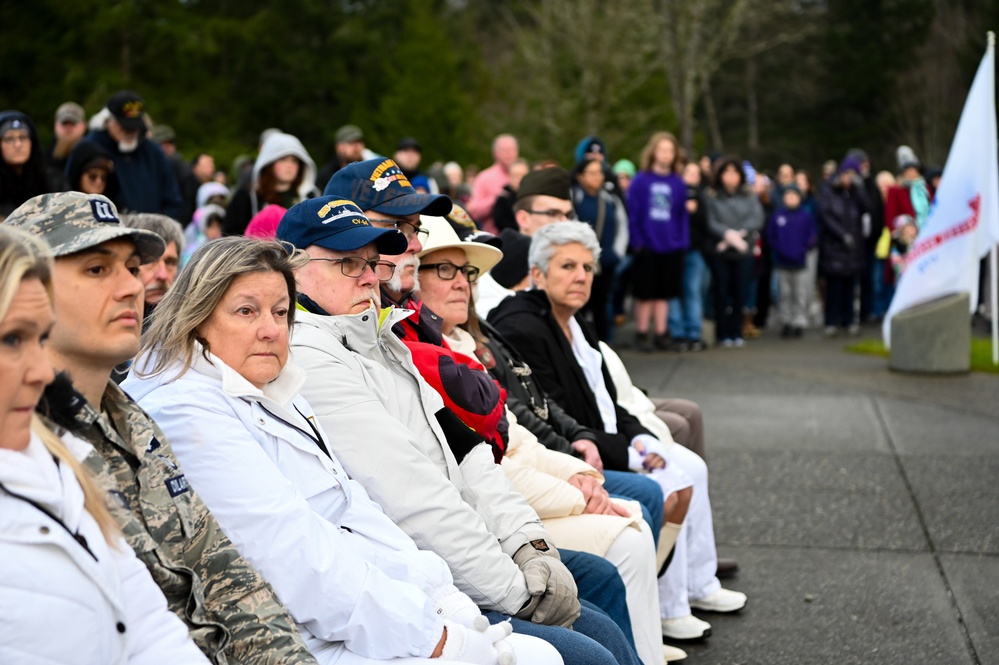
(71,222)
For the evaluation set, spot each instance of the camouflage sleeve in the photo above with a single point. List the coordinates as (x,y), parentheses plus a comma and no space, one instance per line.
(236,595)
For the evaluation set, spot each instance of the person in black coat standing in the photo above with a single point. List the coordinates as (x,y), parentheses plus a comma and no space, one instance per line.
(842,205)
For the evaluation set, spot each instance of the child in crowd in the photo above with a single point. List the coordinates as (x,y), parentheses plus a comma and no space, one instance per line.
(903,235)
(792,233)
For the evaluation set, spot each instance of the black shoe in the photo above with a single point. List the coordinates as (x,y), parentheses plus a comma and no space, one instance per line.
(696,345)
(643,342)
(786,331)
(799,331)
(681,346)
(662,342)
(727,568)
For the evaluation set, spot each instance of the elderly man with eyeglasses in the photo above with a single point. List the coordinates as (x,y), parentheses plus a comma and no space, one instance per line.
(431,474)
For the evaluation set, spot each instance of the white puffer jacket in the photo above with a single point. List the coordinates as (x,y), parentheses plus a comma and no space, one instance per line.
(379,413)
(353,581)
(58,602)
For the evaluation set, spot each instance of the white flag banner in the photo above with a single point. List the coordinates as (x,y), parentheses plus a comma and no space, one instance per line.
(963,224)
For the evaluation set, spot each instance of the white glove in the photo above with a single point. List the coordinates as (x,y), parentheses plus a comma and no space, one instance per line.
(456,606)
(468,646)
(651,444)
(498,633)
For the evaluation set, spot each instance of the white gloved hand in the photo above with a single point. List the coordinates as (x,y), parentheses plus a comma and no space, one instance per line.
(468,646)
(498,633)
(450,603)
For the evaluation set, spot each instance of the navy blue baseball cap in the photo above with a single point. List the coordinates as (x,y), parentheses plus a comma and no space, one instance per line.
(337,224)
(380,185)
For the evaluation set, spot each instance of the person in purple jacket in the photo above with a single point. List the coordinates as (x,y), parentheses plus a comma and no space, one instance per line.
(792,232)
(659,237)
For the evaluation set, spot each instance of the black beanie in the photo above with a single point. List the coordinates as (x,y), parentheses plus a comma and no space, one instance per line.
(551,181)
(512,268)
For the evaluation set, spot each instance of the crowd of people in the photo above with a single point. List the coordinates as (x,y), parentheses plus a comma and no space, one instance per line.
(381,420)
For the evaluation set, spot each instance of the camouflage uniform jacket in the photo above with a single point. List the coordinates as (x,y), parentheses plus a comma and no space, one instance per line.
(231,611)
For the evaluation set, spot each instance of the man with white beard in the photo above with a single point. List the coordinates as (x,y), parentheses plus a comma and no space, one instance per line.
(147,182)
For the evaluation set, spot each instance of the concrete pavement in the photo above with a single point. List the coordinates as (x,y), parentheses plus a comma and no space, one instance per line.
(862,505)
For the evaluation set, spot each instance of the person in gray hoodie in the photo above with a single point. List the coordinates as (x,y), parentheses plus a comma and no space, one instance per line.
(284,174)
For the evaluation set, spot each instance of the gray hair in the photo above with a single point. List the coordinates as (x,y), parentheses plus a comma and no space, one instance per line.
(552,236)
(165,227)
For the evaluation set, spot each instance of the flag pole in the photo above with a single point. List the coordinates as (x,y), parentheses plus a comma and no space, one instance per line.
(993,275)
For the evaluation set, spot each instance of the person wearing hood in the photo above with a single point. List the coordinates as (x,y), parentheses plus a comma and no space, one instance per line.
(90,169)
(22,164)
(283,174)
(144,174)
(842,205)
(593,147)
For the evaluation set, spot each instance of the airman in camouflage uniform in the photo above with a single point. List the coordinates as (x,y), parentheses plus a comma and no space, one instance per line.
(230,610)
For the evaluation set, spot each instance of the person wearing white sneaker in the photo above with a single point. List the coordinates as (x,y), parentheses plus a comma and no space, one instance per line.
(567,360)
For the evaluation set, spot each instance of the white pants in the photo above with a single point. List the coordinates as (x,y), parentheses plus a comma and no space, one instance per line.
(691,573)
(529,650)
(634,555)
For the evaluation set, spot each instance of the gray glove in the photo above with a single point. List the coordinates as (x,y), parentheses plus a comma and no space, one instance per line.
(849,241)
(554,600)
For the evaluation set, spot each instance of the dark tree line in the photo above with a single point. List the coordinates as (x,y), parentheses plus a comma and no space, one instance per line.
(802,80)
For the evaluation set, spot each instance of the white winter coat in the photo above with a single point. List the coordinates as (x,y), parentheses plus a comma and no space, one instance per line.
(379,413)
(59,603)
(352,580)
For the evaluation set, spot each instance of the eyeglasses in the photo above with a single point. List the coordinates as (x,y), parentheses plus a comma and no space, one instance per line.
(448,271)
(408,228)
(557,215)
(11,139)
(353,266)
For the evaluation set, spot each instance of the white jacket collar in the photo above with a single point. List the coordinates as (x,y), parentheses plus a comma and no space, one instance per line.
(361,332)
(281,390)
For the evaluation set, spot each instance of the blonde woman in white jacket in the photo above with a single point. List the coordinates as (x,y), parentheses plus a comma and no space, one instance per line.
(71,590)
(213,374)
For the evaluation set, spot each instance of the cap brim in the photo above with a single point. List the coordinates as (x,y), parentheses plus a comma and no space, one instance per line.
(387,241)
(130,124)
(437,205)
(149,245)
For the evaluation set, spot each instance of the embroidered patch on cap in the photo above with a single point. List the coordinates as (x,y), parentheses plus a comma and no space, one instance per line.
(386,173)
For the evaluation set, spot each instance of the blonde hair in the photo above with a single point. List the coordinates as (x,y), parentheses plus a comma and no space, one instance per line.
(198,290)
(25,256)
(93,498)
(649,152)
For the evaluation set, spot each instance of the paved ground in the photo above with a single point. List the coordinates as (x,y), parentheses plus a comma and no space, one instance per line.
(862,505)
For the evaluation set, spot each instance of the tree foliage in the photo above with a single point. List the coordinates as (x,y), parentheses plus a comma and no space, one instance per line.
(772,79)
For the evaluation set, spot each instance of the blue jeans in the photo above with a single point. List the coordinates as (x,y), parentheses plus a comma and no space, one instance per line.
(593,640)
(599,583)
(685,313)
(644,490)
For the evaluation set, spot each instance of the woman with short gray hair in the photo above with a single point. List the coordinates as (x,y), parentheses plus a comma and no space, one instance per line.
(564,354)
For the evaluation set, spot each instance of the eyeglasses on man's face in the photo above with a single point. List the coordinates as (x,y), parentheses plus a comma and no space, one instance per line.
(409,229)
(448,271)
(556,215)
(353,266)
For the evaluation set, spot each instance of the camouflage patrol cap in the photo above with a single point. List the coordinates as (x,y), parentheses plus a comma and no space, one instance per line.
(73,221)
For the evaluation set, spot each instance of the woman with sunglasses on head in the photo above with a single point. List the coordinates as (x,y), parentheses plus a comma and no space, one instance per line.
(89,169)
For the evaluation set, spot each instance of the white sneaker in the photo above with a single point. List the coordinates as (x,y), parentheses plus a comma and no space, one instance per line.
(672,654)
(722,600)
(686,628)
